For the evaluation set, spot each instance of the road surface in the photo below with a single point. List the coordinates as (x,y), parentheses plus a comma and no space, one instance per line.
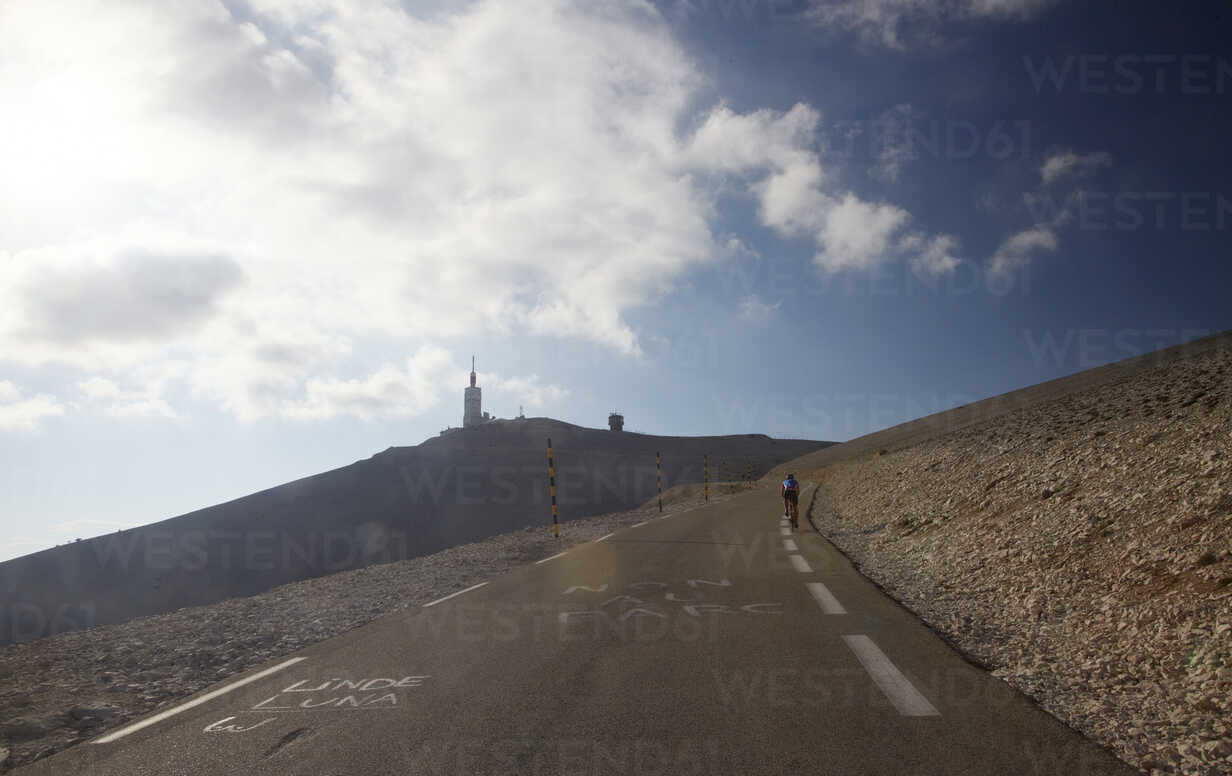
(707,642)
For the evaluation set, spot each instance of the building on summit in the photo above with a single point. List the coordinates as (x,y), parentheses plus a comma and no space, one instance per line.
(472,403)
(473,414)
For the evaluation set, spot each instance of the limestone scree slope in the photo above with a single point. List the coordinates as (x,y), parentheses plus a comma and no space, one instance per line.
(1079,545)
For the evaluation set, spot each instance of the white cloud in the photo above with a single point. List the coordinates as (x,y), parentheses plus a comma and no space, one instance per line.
(906,23)
(1065,163)
(752,308)
(931,256)
(1017,250)
(858,234)
(25,414)
(391,391)
(776,151)
(504,392)
(894,142)
(104,396)
(241,205)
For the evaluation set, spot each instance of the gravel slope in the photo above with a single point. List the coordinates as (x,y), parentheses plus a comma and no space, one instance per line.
(1080,547)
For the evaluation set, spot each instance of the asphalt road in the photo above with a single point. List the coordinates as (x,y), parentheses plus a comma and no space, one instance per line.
(707,642)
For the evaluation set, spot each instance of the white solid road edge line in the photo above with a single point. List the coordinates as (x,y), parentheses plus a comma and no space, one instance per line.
(829,604)
(209,696)
(905,697)
(545,560)
(452,595)
(800,564)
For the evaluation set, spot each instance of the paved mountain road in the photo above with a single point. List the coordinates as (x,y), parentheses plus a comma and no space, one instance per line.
(707,642)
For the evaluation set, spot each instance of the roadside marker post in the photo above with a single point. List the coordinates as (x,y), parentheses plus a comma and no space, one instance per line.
(552,488)
(659,475)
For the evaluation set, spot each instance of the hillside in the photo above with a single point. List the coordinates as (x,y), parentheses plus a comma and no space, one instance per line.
(1076,538)
(929,427)
(405,502)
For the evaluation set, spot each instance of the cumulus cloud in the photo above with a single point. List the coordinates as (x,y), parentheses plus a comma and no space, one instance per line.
(24,414)
(131,296)
(931,255)
(905,23)
(776,152)
(857,234)
(106,397)
(1016,251)
(530,391)
(406,390)
(257,192)
(1065,163)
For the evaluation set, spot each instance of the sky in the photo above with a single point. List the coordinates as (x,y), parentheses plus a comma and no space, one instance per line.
(246,241)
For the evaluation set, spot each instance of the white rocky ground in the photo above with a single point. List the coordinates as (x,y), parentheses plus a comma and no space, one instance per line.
(1080,548)
(63,690)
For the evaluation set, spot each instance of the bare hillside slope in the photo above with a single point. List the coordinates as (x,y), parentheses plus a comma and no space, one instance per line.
(1079,545)
(402,503)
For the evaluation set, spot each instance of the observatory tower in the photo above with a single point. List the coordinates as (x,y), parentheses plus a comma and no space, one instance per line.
(472,402)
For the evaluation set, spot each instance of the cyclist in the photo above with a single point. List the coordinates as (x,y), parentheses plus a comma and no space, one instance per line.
(791,500)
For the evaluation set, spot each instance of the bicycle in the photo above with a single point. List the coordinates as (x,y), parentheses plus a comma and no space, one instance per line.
(793,513)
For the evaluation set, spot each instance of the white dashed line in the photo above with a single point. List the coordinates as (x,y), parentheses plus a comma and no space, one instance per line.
(800,564)
(786,531)
(209,696)
(554,557)
(601,538)
(829,604)
(905,697)
(451,595)
(639,525)
(790,545)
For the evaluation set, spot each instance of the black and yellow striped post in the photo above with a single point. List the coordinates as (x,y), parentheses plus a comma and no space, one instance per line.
(659,475)
(552,488)
(706,475)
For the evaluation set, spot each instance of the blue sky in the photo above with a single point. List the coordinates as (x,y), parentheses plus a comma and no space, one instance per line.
(243,242)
